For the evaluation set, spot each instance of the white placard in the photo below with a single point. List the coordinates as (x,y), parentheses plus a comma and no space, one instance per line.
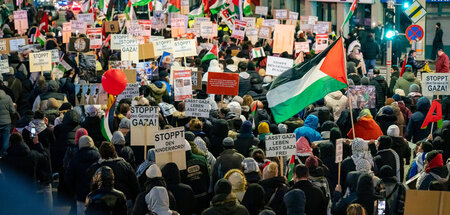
(135,29)
(322,27)
(40,61)
(270,22)
(95,38)
(261,10)
(20,20)
(131,91)
(435,83)
(293,15)
(4,66)
(280,145)
(339,147)
(169,140)
(251,32)
(197,108)
(251,21)
(117,40)
(184,48)
(78,26)
(3,46)
(55,56)
(88,18)
(239,29)
(281,14)
(15,43)
(301,47)
(144,115)
(130,50)
(162,46)
(206,29)
(199,20)
(277,65)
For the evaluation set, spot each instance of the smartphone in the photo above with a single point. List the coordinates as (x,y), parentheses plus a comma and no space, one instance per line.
(381,207)
(33,132)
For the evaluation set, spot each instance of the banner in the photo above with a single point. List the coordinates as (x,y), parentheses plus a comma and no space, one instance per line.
(169,147)
(277,65)
(4,66)
(197,108)
(435,83)
(283,38)
(184,48)
(223,83)
(161,46)
(40,61)
(131,91)
(144,124)
(95,37)
(281,145)
(78,27)
(88,18)
(182,84)
(129,50)
(362,96)
(239,29)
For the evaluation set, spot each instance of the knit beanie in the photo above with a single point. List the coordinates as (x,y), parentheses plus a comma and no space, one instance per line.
(386,171)
(397,97)
(250,165)
(79,133)
(228,142)
(414,88)
(238,99)
(118,138)
(282,128)
(189,136)
(270,171)
(312,162)
(246,127)
(223,186)
(393,131)
(85,141)
(295,202)
(153,171)
(263,128)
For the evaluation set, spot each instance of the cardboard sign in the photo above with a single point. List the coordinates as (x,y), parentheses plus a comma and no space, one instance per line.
(283,38)
(261,10)
(339,149)
(362,96)
(112,27)
(280,14)
(130,50)
(270,22)
(265,32)
(178,27)
(321,42)
(131,75)
(144,124)
(131,91)
(4,46)
(251,32)
(196,78)
(169,147)
(223,83)
(91,94)
(277,65)
(293,15)
(239,29)
(197,108)
(251,21)
(95,37)
(117,40)
(78,27)
(16,42)
(435,83)
(20,21)
(4,66)
(436,202)
(322,27)
(162,46)
(301,47)
(184,48)
(88,18)
(67,32)
(40,61)
(281,145)
(182,85)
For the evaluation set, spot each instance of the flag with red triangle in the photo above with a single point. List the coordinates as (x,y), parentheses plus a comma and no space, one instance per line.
(290,173)
(436,106)
(212,54)
(43,26)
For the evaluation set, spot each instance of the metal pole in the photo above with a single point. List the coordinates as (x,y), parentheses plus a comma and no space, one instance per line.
(388,61)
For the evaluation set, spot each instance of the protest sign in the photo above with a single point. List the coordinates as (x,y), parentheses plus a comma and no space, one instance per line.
(322,27)
(265,32)
(144,124)
(131,75)
(291,22)
(55,56)
(117,40)
(161,46)
(112,27)
(67,31)
(182,84)
(251,21)
(196,78)
(178,26)
(16,42)
(430,202)
(259,22)
(293,15)
(435,83)
(169,147)
(239,29)
(95,37)
(283,38)
(20,21)
(197,108)
(184,48)
(339,150)
(130,50)
(198,21)
(270,22)
(88,18)
(223,83)
(4,46)
(159,20)
(4,66)
(40,61)
(228,18)
(306,27)
(78,27)
(184,7)
(280,14)
(261,10)
(91,94)
(146,27)
(131,91)
(321,42)
(280,145)
(78,44)
(206,29)
(311,20)
(277,65)
(251,32)
(362,96)
(134,28)
(301,47)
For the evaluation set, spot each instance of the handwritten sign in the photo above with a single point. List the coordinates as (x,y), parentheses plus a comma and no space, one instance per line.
(67,32)
(88,18)
(281,14)
(40,61)
(277,65)
(251,32)
(251,21)
(4,46)
(301,47)
(339,150)
(131,91)
(206,29)
(293,15)
(20,20)
(4,66)
(270,22)
(265,32)
(15,43)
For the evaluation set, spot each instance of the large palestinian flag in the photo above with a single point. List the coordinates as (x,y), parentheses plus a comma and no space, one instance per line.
(308,82)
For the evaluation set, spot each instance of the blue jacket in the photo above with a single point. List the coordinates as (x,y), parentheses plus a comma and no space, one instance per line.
(309,129)
(413,131)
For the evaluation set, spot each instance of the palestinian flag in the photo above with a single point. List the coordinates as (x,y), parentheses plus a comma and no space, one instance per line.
(85,6)
(431,117)
(129,11)
(142,3)
(350,13)
(247,8)
(299,59)
(38,37)
(290,170)
(217,6)
(308,82)
(197,12)
(258,52)
(43,26)
(66,64)
(108,120)
(206,4)
(212,54)
(174,6)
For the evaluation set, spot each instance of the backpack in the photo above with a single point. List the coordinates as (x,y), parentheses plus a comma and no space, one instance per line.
(395,200)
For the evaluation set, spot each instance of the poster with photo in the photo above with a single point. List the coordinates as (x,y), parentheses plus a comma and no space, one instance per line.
(239,29)
(321,42)
(182,84)
(90,94)
(362,96)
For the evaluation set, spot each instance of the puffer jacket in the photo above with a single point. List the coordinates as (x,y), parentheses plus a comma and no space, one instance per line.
(6,108)
(309,129)
(337,102)
(413,131)
(405,81)
(158,92)
(224,204)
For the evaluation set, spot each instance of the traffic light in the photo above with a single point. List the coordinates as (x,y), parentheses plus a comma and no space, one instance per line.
(389,23)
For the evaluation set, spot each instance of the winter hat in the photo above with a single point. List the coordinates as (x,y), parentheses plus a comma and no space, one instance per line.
(85,141)
(282,128)
(414,88)
(388,110)
(311,162)
(397,97)
(250,165)
(158,84)
(384,142)
(201,144)
(263,128)
(295,202)
(223,186)
(393,131)
(91,111)
(270,171)
(187,146)
(363,165)
(238,99)
(118,138)
(79,133)
(303,147)
(364,81)
(153,171)
(386,171)
(363,113)
(228,142)
(238,182)
(246,127)
(266,212)
(125,123)
(389,101)
(267,79)
(400,92)
(214,66)
(189,136)
(235,108)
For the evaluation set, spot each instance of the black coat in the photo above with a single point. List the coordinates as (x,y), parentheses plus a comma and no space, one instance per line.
(381,90)
(127,154)
(124,177)
(385,120)
(243,144)
(45,137)
(244,83)
(272,185)
(64,137)
(229,159)
(140,206)
(370,49)
(437,41)
(400,146)
(184,195)
(76,177)
(347,166)
(413,131)
(93,127)
(315,199)
(106,201)
(385,157)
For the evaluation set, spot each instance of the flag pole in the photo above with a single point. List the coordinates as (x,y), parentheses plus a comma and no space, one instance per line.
(350,102)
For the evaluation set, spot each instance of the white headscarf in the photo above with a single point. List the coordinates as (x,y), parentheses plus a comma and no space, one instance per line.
(158,201)
(360,150)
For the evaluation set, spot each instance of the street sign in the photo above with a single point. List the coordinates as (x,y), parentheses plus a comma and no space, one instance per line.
(414,32)
(415,12)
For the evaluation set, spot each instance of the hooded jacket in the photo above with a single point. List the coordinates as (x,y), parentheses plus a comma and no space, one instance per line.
(244,83)
(366,128)
(315,199)
(93,125)
(158,201)
(309,129)
(254,199)
(6,108)
(219,132)
(413,131)
(64,138)
(183,193)
(365,193)
(337,102)
(196,174)
(435,170)
(225,204)
(386,118)
(381,89)
(295,202)
(228,159)
(158,90)
(405,81)
(276,187)
(245,139)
